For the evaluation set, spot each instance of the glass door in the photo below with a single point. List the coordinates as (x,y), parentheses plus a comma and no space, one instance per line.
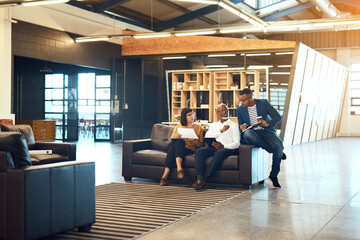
(55,92)
(86,108)
(71,109)
(102,108)
(117,87)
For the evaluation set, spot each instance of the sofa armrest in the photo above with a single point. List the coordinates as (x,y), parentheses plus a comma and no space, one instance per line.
(50,198)
(65,149)
(2,205)
(253,164)
(3,158)
(137,145)
(6,161)
(129,147)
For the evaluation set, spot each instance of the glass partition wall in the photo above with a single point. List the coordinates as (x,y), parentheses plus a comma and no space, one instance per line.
(80,105)
(315,97)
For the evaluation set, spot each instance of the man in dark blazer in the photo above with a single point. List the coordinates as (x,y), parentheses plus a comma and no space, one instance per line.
(258,111)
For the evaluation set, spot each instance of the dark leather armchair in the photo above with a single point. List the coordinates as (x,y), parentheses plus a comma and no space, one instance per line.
(38,201)
(60,151)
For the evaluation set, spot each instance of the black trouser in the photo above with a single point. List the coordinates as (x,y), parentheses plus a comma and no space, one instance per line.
(218,156)
(176,149)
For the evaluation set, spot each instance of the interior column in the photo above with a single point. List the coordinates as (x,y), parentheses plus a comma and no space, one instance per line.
(5,63)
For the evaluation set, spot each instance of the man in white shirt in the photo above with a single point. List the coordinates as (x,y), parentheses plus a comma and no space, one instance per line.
(227,136)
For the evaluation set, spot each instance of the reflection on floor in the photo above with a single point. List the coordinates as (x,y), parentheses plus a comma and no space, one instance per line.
(319,198)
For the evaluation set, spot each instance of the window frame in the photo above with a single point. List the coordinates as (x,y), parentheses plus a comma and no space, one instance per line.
(351,88)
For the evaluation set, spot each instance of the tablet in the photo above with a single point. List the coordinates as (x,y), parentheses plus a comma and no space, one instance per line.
(209,141)
(253,126)
(177,139)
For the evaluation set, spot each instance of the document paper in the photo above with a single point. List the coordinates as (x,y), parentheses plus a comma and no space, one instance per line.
(187,133)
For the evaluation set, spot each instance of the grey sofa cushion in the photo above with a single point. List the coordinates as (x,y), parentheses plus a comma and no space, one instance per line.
(230,163)
(149,157)
(37,159)
(160,136)
(15,144)
(157,158)
(25,130)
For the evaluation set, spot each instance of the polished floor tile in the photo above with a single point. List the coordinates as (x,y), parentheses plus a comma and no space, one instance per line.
(254,219)
(319,198)
(355,201)
(345,225)
(107,158)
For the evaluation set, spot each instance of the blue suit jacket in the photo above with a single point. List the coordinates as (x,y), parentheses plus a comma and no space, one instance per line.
(264,109)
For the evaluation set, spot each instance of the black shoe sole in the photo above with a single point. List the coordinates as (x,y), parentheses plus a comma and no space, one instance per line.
(200,187)
(277,185)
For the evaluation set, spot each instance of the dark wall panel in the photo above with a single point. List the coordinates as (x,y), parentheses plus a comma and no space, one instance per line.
(29,40)
(145,94)
(152,95)
(29,87)
(133,97)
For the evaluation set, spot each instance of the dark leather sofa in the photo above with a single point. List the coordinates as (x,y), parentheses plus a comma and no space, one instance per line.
(146,158)
(44,199)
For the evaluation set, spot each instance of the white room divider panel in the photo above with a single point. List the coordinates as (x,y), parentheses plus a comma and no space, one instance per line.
(314,97)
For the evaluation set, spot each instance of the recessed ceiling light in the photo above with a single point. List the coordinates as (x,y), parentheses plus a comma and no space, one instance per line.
(280,73)
(91,39)
(152,35)
(257,54)
(259,66)
(176,57)
(222,55)
(214,66)
(284,53)
(35,3)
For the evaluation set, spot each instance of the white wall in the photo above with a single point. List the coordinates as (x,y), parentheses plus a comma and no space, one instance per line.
(349,125)
(5,64)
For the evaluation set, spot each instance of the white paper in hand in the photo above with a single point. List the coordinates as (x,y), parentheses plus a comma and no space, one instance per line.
(187,133)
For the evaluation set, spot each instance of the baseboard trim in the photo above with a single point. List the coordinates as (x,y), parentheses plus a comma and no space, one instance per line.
(348,135)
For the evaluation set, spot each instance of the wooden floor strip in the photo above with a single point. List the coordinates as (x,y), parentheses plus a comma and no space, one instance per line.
(129,210)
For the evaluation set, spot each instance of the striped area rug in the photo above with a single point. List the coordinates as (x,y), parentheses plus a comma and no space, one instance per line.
(130,210)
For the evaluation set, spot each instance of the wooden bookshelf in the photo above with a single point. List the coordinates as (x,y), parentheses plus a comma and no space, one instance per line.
(227,89)
(192,89)
(203,91)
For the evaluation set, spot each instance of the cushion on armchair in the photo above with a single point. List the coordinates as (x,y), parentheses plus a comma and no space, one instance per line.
(25,130)
(160,136)
(6,162)
(15,144)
